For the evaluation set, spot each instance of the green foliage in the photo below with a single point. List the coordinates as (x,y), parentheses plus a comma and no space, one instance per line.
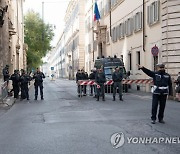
(38,36)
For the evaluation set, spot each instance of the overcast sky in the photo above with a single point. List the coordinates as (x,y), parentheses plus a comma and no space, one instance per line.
(54,11)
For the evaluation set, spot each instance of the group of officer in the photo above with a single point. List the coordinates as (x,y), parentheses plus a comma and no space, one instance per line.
(99,77)
(21,81)
(161,89)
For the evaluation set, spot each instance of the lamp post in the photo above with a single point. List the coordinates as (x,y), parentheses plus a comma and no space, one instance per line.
(42,25)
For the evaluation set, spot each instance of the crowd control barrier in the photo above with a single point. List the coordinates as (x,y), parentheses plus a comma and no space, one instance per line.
(87,84)
(3,91)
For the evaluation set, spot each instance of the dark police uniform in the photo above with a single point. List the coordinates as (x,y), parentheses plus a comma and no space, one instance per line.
(6,74)
(117,77)
(162,87)
(100,79)
(24,80)
(79,77)
(38,76)
(84,77)
(15,82)
(93,87)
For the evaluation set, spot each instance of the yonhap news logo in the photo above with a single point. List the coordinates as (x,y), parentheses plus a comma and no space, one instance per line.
(119,139)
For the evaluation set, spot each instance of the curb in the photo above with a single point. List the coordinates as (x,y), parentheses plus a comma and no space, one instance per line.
(9,101)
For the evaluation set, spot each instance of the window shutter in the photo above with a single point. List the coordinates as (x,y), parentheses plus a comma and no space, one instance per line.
(95,46)
(117,31)
(135,22)
(140,21)
(158,10)
(107,37)
(114,34)
(148,15)
(108,6)
(120,31)
(126,27)
(132,25)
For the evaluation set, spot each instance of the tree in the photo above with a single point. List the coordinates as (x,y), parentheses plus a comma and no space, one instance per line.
(38,36)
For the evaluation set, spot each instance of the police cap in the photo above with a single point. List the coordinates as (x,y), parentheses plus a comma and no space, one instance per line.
(160,65)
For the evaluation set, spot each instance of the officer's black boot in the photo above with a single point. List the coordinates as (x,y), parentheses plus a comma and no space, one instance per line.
(42,98)
(120,98)
(114,98)
(103,99)
(35,98)
(97,98)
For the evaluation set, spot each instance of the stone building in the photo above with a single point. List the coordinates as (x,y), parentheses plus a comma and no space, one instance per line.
(12,47)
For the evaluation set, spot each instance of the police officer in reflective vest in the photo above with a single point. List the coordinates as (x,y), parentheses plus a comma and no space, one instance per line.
(117,77)
(38,76)
(162,87)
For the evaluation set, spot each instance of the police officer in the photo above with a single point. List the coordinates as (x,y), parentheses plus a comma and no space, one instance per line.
(24,81)
(100,79)
(15,83)
(38,76)
(79,77)
(6,74)
(92,77)
(117,77)
(162,87)
(84,77)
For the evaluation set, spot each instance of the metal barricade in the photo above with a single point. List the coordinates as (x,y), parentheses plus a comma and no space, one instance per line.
(86,85)
(3,91)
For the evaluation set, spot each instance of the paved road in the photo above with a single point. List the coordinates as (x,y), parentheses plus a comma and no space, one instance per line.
(66,124)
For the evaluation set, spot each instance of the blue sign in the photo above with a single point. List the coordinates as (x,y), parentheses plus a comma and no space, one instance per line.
(52,68)
(52,75)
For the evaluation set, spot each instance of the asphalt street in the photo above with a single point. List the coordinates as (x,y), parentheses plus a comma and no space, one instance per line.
(63,123)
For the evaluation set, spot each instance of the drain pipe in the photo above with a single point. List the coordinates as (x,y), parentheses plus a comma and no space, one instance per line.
(143,22)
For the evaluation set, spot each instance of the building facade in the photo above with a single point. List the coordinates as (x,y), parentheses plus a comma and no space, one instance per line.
(70,49)
(139,32)
(12,47)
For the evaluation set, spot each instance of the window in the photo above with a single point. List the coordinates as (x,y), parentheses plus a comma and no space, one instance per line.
(95,46)
(107,7)
(138,58)
(153,13)
(102,10)
(88,24)
(121,30)
(113,3)
(107,37)
(130,61)
(138,21)
(89,48)
(114,34)
(129,26)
